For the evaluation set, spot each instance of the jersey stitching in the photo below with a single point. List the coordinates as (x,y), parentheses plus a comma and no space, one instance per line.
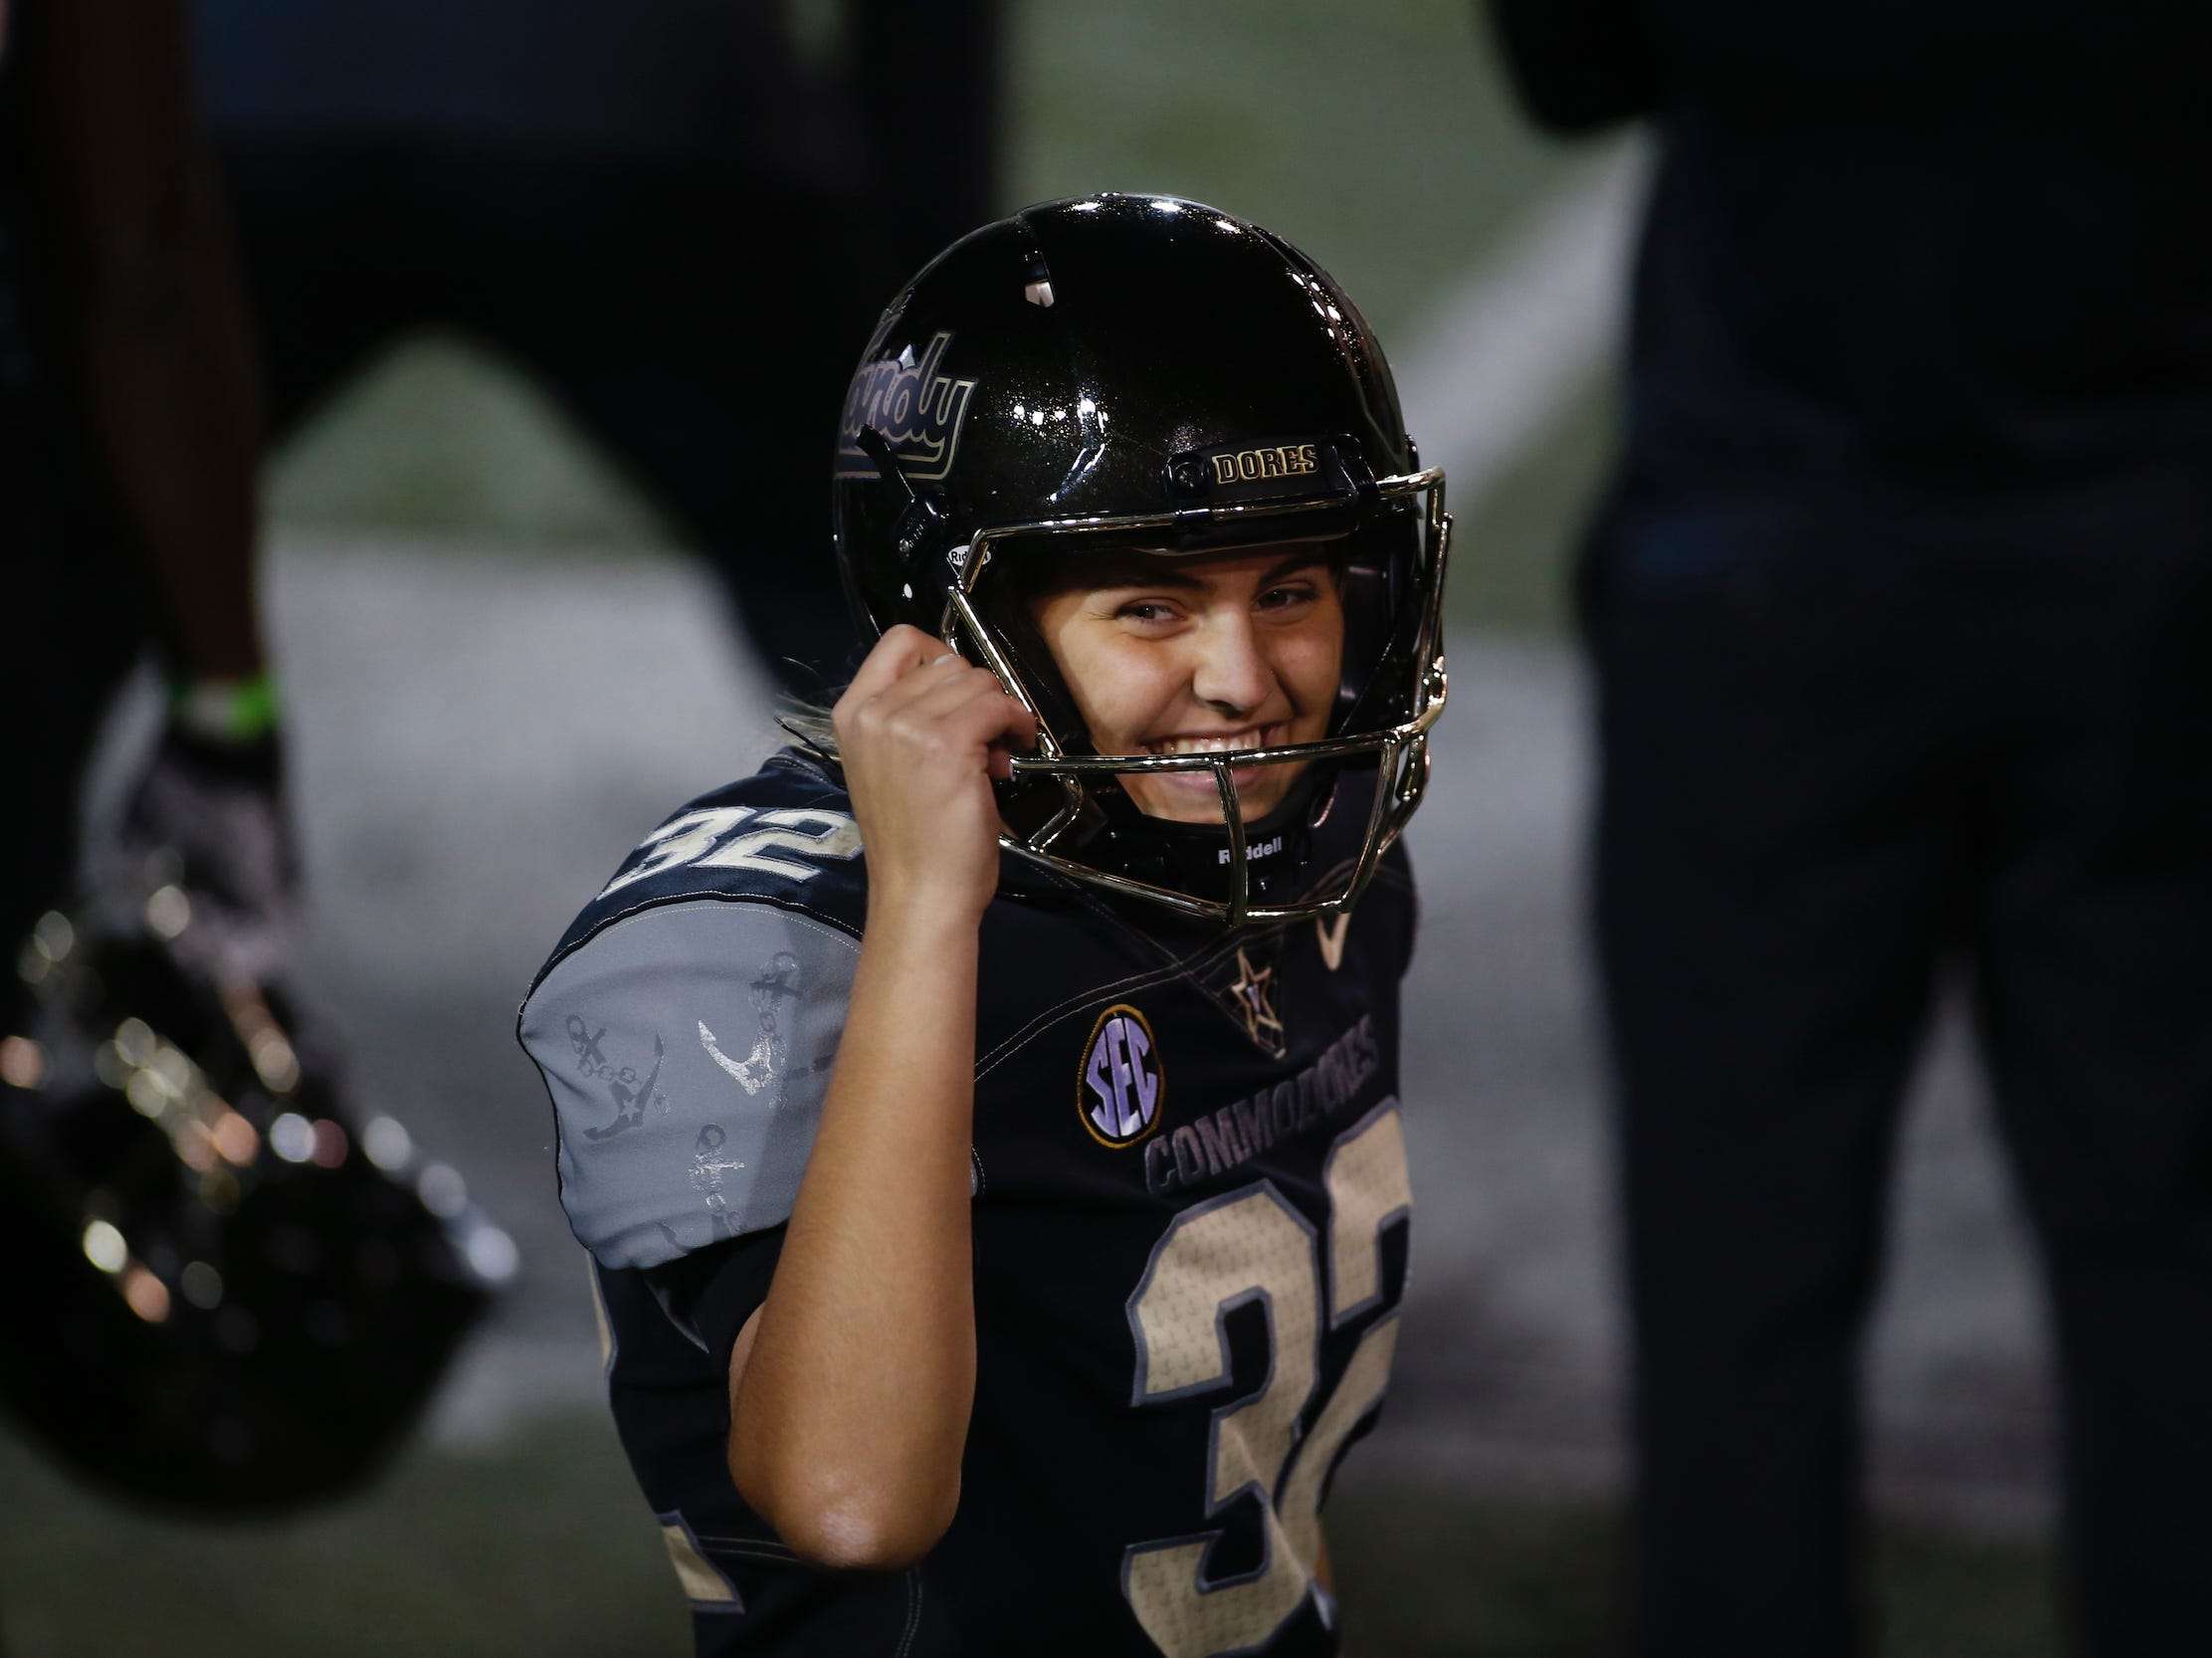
(546,972)
(1191,971)
(976,1158)
(1138,982)
(1188,968)
(1384,873)
(914,1612)
(1021,1038)
(680,1328)
(1104,912)
(798,760)
(756,1547)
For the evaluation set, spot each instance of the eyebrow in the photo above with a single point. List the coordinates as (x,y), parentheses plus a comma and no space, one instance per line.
(1135,573)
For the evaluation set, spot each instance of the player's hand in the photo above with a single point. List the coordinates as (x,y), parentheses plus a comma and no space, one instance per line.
(210,818)
(921,734)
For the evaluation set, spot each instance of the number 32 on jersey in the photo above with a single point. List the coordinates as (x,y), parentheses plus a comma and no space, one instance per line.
(1245,1246)
(705,838)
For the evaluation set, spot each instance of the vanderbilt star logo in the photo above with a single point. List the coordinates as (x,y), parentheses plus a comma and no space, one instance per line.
(1256,1002)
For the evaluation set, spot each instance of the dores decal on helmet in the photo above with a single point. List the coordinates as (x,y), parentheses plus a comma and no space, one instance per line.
(1125,374)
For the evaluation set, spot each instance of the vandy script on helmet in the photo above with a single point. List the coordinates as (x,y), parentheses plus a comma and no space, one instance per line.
(918,410)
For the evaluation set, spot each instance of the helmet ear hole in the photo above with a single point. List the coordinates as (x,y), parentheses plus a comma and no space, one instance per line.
(922,522)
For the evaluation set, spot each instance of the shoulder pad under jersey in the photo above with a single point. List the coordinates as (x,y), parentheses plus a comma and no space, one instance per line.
(785,835)
(687,1023)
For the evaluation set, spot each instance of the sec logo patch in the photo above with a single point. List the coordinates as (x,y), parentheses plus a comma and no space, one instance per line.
(1122,1086)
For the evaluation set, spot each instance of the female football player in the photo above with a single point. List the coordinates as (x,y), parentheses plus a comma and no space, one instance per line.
(984,1124)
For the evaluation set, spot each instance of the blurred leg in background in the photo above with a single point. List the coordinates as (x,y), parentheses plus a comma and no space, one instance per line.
(74,629)
(678,217)
(74,632)
(131,427)
(2094,940)
(1772,860)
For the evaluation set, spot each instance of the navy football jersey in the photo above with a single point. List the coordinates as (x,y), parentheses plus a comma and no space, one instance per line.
(1190,1213)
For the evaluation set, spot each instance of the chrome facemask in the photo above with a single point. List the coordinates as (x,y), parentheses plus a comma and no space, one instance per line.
(1399,750)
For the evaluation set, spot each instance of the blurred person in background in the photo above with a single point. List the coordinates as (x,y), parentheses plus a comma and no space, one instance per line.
(1901,603)
(228,1316)
(672,214)
(129,431)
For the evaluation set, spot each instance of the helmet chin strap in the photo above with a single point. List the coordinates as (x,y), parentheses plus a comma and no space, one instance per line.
(1197,858)
(922,519)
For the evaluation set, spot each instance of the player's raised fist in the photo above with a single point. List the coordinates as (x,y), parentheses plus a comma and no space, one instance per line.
(921,734)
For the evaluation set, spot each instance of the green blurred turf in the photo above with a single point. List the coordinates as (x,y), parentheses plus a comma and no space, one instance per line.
(542,1546)
(442,440)
(1513,547)
(1380,136)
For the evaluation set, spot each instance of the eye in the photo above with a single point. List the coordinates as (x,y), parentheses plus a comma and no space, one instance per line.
(1288,596)
(1146,613)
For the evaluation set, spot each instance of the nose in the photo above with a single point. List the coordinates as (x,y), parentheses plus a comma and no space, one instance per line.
(1231,674)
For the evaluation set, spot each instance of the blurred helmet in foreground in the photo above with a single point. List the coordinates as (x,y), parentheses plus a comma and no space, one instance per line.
(244,1294)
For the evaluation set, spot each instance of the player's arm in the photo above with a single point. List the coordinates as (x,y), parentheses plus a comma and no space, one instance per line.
(851,1383)
(150,322)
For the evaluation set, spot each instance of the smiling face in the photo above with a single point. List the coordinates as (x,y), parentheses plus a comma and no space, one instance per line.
(1166,656)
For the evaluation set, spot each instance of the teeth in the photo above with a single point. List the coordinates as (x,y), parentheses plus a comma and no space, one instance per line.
(1220,742)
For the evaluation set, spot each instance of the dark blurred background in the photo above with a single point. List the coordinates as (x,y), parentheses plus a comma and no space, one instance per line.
(501,665)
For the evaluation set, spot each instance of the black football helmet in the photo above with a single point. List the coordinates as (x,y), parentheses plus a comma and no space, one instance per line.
(247,1292)
(1144,373)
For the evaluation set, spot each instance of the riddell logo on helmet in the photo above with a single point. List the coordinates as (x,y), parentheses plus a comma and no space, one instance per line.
(1251,465)
(917,409)
(1253,854)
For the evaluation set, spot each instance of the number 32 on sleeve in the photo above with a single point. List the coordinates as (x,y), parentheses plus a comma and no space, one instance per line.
(1245,1246)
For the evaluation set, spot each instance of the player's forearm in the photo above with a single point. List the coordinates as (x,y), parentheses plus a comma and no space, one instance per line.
(850,1411)
(150,317)
(170,400)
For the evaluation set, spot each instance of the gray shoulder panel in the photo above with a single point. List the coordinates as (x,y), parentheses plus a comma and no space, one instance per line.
(688,1049)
